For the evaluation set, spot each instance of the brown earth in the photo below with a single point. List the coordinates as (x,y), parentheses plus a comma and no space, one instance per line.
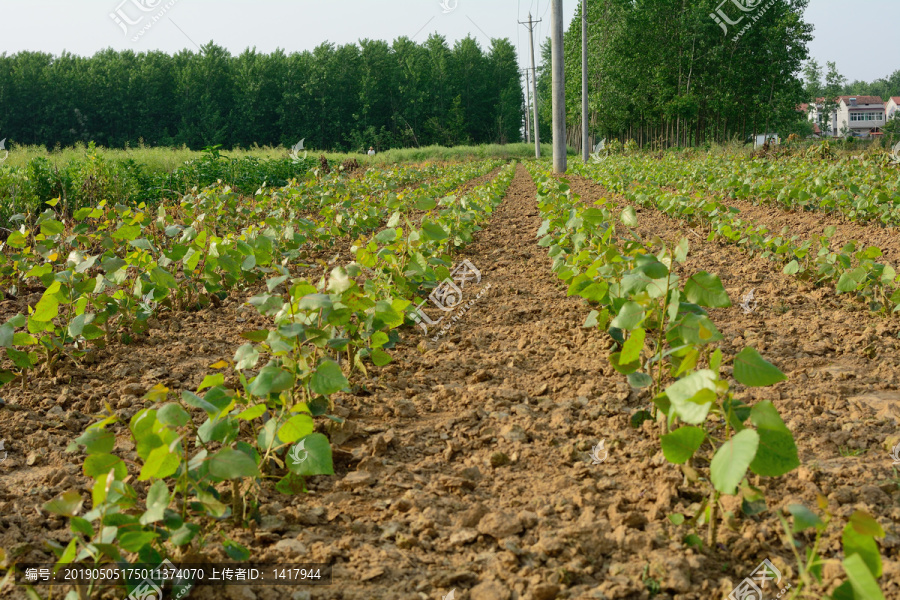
(464,464)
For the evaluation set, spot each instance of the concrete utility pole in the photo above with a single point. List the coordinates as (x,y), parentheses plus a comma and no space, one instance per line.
(537,134)
(559,88)
(527,107)
(585,144)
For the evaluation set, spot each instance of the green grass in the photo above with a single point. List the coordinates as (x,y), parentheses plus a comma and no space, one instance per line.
(166,160)
(155,160)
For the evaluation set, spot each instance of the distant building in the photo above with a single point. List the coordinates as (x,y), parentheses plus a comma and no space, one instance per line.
(857,116)
(762,138)
(891,107)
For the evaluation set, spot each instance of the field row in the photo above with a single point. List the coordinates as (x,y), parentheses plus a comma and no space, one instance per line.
(109,270)
(853,269)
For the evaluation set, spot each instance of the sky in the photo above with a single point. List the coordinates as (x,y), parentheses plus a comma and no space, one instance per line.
(86,26)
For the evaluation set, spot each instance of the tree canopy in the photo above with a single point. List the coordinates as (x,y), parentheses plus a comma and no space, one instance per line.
(664,72)
(336,97)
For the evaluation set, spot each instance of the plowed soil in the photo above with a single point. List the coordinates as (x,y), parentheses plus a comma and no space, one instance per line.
(464,464)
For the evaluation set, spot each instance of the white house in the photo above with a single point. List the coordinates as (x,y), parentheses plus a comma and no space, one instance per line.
(892,107)
(858,116)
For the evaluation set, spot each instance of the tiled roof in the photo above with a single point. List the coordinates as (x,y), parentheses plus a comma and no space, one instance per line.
(861,99)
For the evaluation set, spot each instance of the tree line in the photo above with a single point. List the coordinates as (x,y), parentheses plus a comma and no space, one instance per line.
(827,82)
(664,73)
(337,97)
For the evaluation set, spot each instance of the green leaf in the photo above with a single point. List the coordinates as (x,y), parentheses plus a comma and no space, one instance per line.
(246,357)
(693,540)
(228,463)
(271,380)
(296,427)
(434,231)
(777,452)
(236,551)
(864,524)
(630,316)
(252,413)
(47,307)
(631,351)
(67,504)
(256,336)
(732,459)
(380,357)
(850,280)
(69,554)
(7,332)
(50,228)
(595,291)
(693,396)
(804,518)
(861,579)
(192,399)
(676,518)
(185,534)
(629,217)
(387,236)
(133,541)
(163,278)
(82,526)
(212,381)
(328,378)
(752,370)
(97,465)
(160,463)
(792,268)
(291,484)
(615,360)
(223,431)
(698,329)
(864,545)
(681,250)
(97,441)
(681,444)
(638,418)
(315,457)
(639,381)
(594,216)
(173,414)
(157,501)
(706,289)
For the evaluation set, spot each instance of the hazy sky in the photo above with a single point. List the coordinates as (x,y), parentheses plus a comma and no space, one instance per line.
(85,26)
